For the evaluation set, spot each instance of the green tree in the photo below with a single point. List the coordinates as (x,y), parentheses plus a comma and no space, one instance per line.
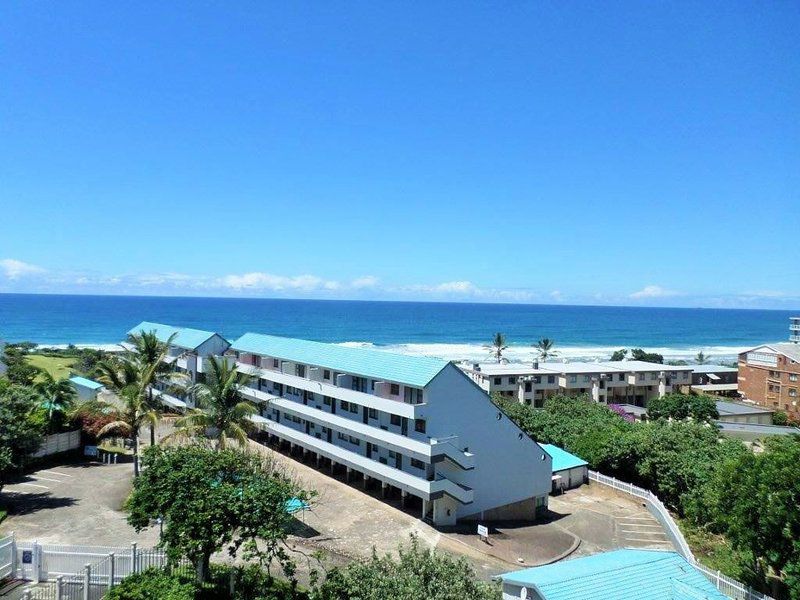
(683,406)
(211,501)
(701,358)
(497,347)
(223,412)
(619,355)
(20,435)
(415,573)
(639,354)
(545,348)
(780,418)
(59,396)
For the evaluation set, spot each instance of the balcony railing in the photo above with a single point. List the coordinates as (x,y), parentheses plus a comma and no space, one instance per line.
(428,490)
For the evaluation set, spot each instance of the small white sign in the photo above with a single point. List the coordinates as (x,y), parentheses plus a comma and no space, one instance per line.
(483,531)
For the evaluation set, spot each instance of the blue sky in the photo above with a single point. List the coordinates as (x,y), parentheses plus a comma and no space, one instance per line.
(626,153)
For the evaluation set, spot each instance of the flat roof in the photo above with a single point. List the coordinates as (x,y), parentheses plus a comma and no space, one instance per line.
(632,409)
(562,460)
(185,337)
(716,387)
(578,367)
(651,574)
(416,371)
(740,408)
(87,383)
(756,428)
(713,369)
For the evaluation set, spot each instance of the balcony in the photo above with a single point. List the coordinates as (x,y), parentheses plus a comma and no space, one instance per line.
(427,490)
(395,407)
(795,326)
(431,451)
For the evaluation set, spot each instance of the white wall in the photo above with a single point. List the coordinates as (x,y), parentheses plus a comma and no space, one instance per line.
(507,469)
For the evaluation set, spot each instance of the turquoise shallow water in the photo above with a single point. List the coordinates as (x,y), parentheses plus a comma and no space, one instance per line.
(450,330)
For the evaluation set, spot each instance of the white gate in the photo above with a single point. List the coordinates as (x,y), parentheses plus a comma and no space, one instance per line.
(6,556)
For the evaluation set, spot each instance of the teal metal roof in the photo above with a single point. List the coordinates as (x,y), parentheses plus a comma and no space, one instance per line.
(87,383)
(562,460)
(410,370)
(185,337)
(629,574)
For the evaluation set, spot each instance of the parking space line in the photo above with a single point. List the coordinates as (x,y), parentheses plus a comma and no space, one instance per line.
(55,473)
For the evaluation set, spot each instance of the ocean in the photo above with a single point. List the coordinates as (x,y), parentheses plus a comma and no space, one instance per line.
(447,330)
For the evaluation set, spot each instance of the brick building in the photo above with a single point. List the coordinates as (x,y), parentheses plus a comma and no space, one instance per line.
(770,375)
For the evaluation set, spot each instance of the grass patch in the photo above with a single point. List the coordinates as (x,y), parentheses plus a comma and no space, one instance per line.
(59,367)
(712,550)
(3,514)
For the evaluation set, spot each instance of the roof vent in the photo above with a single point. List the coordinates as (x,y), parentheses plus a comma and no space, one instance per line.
(476,366)
(536,364)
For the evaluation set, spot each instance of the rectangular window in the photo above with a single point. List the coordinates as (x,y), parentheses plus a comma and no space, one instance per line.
(573,379)
(373,414)
(355,441)
(419,425)
(300,370)
(394,389)
(326,374)
(413,395)
(528,386)
(551,379)
(512,380)
(792,377)
(536,379)
(417,464)
(344,404)
(641,376)
(341,436)
(653,376)
(621,377)
(793,392)
(587,378)
(327,400)
(498,380)
(395,420)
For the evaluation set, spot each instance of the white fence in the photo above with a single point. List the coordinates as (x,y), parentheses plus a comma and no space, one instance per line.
(728,586)
(6,556)
(59,442)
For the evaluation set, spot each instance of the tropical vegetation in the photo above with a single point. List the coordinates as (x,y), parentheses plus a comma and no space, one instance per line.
(545,349)
(497,347)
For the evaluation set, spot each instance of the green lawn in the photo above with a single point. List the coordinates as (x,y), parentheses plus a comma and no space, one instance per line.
(57,366)
(712,550)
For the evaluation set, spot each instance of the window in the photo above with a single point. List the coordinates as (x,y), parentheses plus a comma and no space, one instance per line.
(641,377)
(395,420)
(310,396)
(653,376)
(621,377)
(793,392)
(551,379)
(536,379)
(419,425)
(498,380)
(394,389)
(573,378)
(276,363)
(327,400)
(686,374)
(587,378)
(344,404)
(326,374)
(300,370)
(392,454)
(373,414)
(413,395)
(512,380)
(792,377)
(355,441)
(528,386)
(417,464)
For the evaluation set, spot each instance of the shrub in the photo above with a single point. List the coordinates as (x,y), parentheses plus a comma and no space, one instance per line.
(153,584)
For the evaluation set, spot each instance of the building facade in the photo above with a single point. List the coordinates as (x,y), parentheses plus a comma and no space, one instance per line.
(770,375)
(794,330)
(415,425)
(613,382)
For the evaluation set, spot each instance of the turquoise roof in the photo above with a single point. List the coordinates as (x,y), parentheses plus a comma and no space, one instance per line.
(629,574)
(562,460)
(417,371)
(185,337)
(87,383)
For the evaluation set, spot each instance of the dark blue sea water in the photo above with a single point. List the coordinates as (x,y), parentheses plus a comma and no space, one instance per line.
(441,329)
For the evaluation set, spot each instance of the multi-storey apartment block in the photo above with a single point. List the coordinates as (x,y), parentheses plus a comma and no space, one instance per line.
(416,425)
(794,330)
(770,375)
(189,350)
(614,382)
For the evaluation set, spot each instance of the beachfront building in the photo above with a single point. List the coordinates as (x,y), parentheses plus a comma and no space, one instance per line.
(628,573)
(794,330)
(87,389)
(614,382)
(770,375)
(414,425)
(715,379)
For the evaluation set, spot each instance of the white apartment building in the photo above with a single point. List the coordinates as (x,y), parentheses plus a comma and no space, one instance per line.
(613,382)
(188,352)
(416,426)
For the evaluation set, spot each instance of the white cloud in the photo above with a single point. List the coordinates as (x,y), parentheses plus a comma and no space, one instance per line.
(653,291)
(277,283)
(557,295)
(368,281)
(15,269)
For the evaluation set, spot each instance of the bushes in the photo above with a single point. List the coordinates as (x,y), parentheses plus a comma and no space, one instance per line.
(153,584)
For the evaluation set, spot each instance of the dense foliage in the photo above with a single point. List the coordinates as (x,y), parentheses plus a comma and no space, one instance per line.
(215,500)
(153,584)
(416,573)
(716,483)
(20,433)
(683,406)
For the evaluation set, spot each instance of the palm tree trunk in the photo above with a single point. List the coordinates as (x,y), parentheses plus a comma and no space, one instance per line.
(152,434)
(135,453)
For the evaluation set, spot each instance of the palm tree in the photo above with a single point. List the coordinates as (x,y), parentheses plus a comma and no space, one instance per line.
(222,413)
(545,348)
(132,376)
(131,417)
(497,347)
(701,358)
(59,396)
